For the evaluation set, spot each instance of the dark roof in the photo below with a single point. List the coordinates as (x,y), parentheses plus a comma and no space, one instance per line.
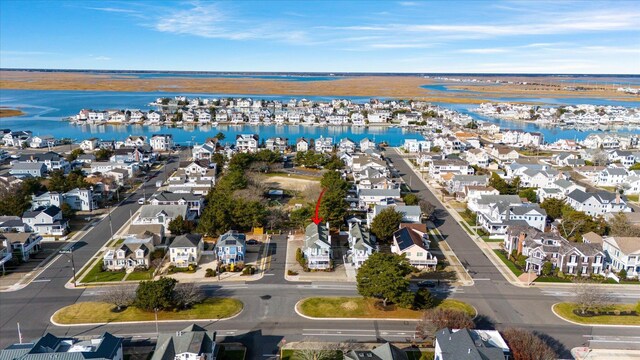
(382,352)
(193,339)
(186,240)
(460,345)
(407,237)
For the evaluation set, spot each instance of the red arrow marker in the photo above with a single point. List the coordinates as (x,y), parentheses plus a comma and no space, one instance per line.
(316,218)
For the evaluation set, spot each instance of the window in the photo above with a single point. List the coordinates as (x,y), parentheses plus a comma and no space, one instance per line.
(419,254)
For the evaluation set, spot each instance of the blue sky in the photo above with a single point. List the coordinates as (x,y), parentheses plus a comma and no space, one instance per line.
(324,36)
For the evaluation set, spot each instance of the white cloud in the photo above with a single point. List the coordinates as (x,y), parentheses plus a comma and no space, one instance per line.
(484,51)
(115,10)
(100,58)
(409,3)
(400,46)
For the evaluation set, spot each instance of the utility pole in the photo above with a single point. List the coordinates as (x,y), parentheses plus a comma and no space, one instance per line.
(110,225)
(155,312)
(69,252)
(19,334)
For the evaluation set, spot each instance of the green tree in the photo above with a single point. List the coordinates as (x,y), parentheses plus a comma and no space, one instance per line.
(220,136)
(411,199)
(553,207)
(424,300)
(499,184)
(635,166)
(529,194)
(333,206)
(103,154)
(333,181)
(436,149)
(575,223)
(74,154)
(384,276)
(302,216)
(67,211)
(547,268)
(158,294)
(233,180)
(179,226)
(386,223)
(334,163)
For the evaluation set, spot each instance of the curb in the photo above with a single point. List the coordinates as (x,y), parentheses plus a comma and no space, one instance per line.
(349,319)
(553,310)
(142,321)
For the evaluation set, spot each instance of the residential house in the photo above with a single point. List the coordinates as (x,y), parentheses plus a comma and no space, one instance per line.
(195,203)
(623,253)
(135,141)
(438,168)
(370,197)
(504,153)
(612,176)
(28,169)
(161,214)
(52,160)
(204,151)
(459,181)
(6,252)
(467,344)
(347,145)
(412,241)
(323,144)
(411,214)
(247,142)
(317,247)
(501,216)
(485,202)
(133,253)
(43,141)
(471,192)
(106,167)
(231,248)
(361,245)
(416,146)
(381,352)
(302,145)
(77,199)
(105,347)
(277,144)
(597,203)
(191,343)
(22,244)
(366,144)
(477,157)
(16,138)
(161,142)
(46,221)
(186,250)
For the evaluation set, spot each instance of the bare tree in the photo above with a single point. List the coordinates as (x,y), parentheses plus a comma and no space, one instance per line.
(120,296)
(525,345)
(571,228)
(186,295)
(314,351)
(620,226)
(436,319)
(600,158)
(591,297)
(427,208)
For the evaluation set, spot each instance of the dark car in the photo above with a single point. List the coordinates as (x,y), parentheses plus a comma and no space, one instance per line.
(252,242)
(427,284)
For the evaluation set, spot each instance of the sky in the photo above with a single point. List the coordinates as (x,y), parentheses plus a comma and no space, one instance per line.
(583,37)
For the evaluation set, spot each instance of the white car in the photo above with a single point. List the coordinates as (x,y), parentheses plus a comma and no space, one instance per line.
(141,201)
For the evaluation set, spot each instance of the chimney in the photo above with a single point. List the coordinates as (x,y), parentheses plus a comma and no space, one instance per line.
(617,198)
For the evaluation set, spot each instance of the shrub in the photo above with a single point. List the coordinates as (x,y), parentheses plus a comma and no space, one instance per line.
(248,270)
(209,273)
(192,268)
(171,269)
(294,273)
(638,308)
(424,300)
(622,274)
(301,260)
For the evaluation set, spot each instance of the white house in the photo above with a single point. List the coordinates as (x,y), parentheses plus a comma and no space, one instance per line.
(317,248)
(47,221)
(186,250)
(161,214)
(597,203)
(302,145)
(412,240)
(89,144)
(623,253)
(247,142)
(324,144)
(361,245)
(161,142)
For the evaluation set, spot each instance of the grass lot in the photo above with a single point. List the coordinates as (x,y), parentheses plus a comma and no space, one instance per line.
(141,275)
(510,265)
(100,312)
(487,239)
(565,310)
(552,279)
(420,355)
(95,274)
(535,153)
(289,354)
(359,307)
(634,197)
(294,176)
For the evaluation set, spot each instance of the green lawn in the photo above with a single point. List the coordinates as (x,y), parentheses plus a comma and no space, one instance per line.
(288,354)
(633,197)
(95,274)
(565,310)
(510,265)
(487,239)
(552,279)
(100,312)
(359,307)
(140,275)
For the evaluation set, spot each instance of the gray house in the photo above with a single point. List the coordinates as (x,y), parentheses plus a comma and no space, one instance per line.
(106,347)
(36,169)
(382,352)
(465,344)
(317,246)
(193,342)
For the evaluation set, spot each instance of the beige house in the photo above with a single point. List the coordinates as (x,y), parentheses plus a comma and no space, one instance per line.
(412,241)
(186,250)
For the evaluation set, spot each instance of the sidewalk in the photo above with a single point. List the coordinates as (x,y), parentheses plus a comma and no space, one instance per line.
(487,248)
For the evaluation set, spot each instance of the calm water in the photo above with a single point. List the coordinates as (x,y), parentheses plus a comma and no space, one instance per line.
(45,109)
(162,75)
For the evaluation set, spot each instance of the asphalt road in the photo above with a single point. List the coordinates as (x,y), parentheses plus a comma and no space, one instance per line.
(501,304)
(268,317)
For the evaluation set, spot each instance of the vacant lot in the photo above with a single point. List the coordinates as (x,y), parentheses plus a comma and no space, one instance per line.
(295,183)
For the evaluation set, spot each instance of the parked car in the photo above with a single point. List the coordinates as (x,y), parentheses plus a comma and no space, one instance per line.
(252,242)
(427,284)
(141,201)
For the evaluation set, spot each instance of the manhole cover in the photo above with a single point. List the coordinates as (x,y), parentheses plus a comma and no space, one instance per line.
(265,297)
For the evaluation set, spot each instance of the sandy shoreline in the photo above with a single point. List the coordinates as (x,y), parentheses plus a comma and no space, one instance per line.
(8,112)
(401,87)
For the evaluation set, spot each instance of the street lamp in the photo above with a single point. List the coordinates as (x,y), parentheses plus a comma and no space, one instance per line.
(67,252)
